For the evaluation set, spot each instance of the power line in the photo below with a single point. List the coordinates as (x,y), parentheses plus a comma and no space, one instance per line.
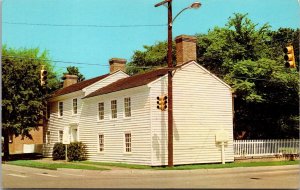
(146,67)
(69,62)
(85,25)
(49,60)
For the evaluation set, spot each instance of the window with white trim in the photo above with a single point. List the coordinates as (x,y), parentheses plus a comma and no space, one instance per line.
(127,107)
(114,113)
(127,142)
(101,142)
(60,136)
(75,106)
(48,137)
(60,109)
(100,110)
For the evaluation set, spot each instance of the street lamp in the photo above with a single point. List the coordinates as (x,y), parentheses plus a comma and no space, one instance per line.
(194,5)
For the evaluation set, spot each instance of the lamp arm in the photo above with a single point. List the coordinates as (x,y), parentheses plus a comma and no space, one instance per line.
(179,14)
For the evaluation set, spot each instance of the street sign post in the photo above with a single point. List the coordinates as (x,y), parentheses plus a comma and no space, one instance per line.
(66,139)
(222,137)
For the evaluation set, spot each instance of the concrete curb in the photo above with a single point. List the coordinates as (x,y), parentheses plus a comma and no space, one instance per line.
(194,171)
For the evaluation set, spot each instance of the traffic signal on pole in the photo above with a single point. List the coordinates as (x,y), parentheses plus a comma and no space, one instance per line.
(289,57)
(162,102)
(43,77)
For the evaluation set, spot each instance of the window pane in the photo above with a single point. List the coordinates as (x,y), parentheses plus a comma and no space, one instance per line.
(128,142)
(101,143)
(127,105)
(75,106)
(60,108)
(101,111)
(114,109)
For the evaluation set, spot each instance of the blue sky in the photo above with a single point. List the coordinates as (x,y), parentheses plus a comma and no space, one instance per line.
(96,45)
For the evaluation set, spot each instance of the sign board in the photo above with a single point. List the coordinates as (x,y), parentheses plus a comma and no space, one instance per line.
(222,136)
(66,135)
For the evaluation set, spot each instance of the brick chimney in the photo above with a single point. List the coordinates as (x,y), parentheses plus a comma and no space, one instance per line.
(69,80)
(185,49)
(117,64)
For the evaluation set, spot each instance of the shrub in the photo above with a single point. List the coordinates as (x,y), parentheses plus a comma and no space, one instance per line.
(59,151)
(76,151)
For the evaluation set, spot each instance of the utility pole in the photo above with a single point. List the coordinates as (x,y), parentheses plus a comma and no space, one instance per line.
(195,5)
(170,83)
(170,88)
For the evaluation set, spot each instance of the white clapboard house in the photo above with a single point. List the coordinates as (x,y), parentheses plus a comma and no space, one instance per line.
(116,115)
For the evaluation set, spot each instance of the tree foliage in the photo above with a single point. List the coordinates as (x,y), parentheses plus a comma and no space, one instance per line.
(23,97)
(249,57)
(266,103)
(222,48)
(72,70)
(152,57)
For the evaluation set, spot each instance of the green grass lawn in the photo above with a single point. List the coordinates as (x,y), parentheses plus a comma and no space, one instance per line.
(53,166)
(121,165)
(197,166)
(88,165)
(232,165)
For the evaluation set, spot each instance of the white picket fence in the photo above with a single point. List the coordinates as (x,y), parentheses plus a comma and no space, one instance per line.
(245,148)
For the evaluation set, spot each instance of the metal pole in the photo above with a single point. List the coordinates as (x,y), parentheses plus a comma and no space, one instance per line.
(170,88)
(66,153)
(223,152)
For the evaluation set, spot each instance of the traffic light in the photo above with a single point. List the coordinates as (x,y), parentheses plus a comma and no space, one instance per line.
(162,102)
(289,57)
(43,77)
(165,102)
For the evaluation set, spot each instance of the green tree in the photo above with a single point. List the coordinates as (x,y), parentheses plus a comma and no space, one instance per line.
(250,59)
(23,97)
(266,103)
(72,70)
(240,39)
(152,57)
(280,39)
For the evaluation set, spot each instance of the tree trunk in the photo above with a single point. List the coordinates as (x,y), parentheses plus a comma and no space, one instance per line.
(6,145)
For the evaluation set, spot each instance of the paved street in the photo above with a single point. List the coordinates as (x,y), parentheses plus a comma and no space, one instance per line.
(254,177)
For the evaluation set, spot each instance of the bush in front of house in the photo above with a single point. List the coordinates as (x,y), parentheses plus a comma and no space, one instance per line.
(59,151)
(76,151)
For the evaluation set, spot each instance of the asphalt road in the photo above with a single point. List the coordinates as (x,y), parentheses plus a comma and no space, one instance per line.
(272,177)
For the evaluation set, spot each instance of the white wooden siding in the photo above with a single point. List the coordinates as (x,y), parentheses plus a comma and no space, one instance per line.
(114,129)
(56,123)
(159,124)
(202,105)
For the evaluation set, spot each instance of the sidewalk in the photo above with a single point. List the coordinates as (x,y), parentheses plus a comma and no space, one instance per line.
(115,169)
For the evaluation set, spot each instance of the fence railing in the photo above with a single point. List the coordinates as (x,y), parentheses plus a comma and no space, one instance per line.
(244,148)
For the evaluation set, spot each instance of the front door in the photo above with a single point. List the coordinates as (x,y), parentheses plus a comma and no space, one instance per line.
(74,137)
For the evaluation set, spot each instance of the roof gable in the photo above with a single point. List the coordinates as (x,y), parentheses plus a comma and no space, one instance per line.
(205,70)
(130,82)
(146,78)
(78,86)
